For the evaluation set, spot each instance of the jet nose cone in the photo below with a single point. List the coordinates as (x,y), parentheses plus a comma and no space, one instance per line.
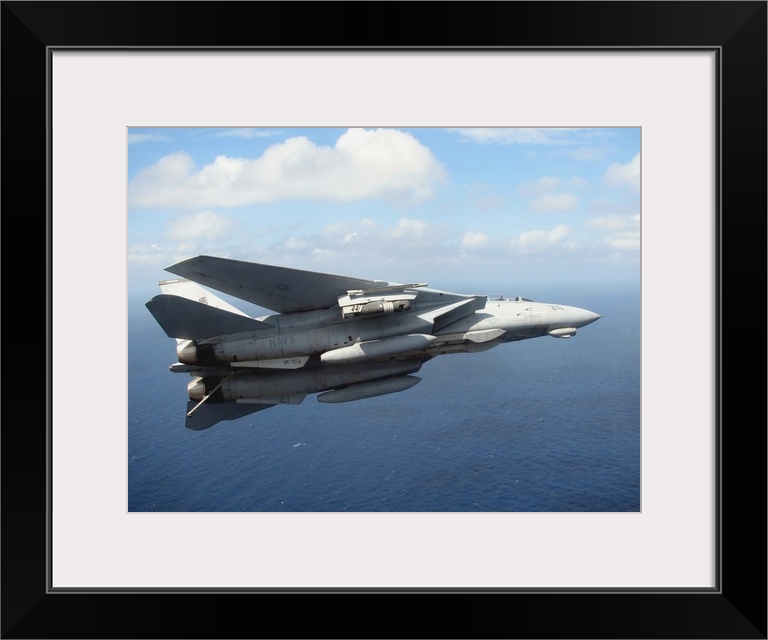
(582,317)
(589,317)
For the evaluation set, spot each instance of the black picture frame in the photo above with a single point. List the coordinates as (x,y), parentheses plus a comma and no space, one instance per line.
(736,608)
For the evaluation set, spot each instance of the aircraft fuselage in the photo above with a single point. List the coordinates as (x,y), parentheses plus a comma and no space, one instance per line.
(289,335)
(343,338)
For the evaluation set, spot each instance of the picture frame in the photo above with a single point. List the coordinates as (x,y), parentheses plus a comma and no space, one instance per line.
(736,607)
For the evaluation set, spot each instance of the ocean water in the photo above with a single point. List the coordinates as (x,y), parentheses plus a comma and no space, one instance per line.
(541,425)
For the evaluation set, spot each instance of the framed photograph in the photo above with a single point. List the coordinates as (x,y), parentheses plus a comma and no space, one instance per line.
(597,159)
(554,212)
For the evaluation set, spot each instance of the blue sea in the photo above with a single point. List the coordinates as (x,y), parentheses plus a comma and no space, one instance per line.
(541,425)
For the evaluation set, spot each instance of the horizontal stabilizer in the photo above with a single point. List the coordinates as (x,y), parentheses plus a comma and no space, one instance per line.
(276,288)
(207,415)
(193,291)
(182,318)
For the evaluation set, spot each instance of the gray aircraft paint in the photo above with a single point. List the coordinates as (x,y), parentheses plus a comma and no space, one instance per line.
(345,338)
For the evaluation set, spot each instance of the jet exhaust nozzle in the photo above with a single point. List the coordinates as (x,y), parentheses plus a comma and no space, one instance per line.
(187,352)
(196,389)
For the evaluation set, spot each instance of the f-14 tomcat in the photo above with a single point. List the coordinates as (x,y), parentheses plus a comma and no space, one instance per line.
(340,337)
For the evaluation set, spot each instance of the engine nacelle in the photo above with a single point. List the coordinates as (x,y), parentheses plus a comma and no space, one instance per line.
(274,387)
(189,352)
(270,349)
(196,389)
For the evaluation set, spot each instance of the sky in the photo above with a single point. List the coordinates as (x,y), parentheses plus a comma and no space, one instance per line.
(505,211)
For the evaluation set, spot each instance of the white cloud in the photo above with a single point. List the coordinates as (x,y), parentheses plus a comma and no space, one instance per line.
(612,222)
(159,256)
(545,190)
(323,254)
(525,135)
(545,184)
(537,239)
(367,238)
(622,231)
(531,238)
(148,253)
(559,233)
(415,241)
(554,203)
(362,241)
(624,241)
(382,163)
(549,184)
(203,225)
(624,175)
(135,138)
(248,133)
(295,244)
(474,240)
(587,154)
(408,228)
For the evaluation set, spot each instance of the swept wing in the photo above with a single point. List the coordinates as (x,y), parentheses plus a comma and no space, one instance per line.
(278,289)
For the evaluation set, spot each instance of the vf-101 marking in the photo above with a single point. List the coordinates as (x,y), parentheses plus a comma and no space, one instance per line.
(340,337)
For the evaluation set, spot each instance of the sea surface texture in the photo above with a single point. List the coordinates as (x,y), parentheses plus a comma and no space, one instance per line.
(541,425)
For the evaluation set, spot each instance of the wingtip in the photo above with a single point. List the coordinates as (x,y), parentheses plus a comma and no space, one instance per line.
(170,268)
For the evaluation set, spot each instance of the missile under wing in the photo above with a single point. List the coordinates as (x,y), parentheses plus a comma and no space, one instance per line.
(340,337)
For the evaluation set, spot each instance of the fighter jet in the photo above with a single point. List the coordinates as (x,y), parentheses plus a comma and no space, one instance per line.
(339,337)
